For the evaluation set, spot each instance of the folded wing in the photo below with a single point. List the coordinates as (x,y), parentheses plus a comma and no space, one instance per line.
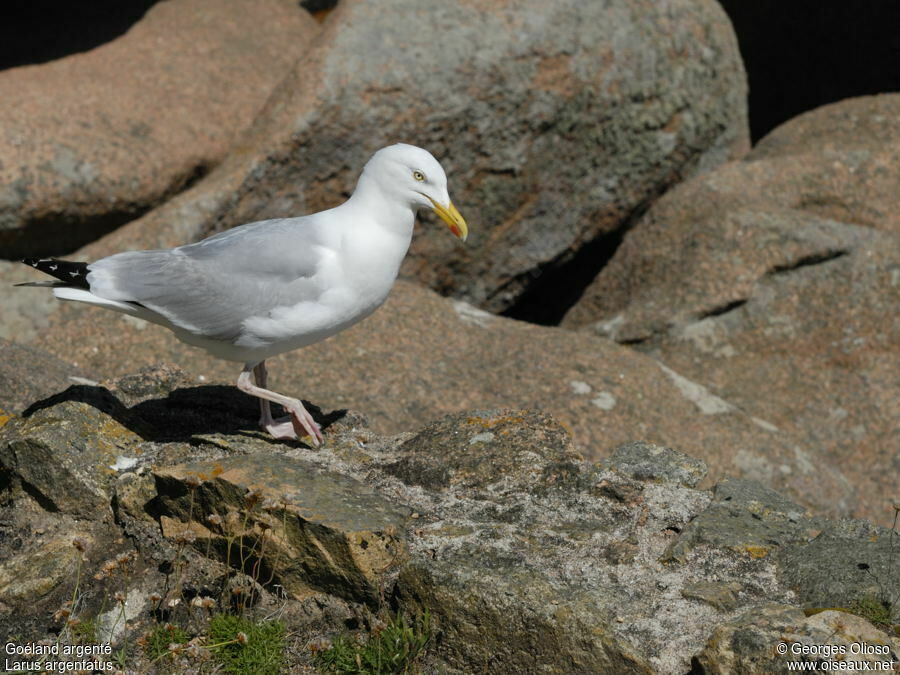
(212,287)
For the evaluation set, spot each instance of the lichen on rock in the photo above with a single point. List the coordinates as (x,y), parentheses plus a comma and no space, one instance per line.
(521,552)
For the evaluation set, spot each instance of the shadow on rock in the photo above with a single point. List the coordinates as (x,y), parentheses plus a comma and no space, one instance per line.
(182,413)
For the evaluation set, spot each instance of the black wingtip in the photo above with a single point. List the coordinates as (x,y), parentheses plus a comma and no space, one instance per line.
(73,274)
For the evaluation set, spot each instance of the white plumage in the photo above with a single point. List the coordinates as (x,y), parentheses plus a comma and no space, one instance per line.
(269,287)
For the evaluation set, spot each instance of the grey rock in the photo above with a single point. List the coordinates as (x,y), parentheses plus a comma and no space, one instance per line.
(96,139)
(29,374)
(719,595)
(334,534)
(770,281)
(62,456)
(644,461)
(29,576)
(149,383)
(567,118)
(497,614)
(47,550)
(750,643)
(846,564)
(40,565)
(746,517)
(421,356)
(483,450)
(525,556)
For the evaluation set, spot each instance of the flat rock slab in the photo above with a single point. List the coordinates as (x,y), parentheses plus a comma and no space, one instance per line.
(481,450)
(746,517)
(96,139)
(644,461)
(310,530)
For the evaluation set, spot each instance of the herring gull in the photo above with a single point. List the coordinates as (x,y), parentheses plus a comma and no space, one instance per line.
(272,286)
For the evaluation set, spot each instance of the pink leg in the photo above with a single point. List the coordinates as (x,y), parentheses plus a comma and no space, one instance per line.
(261,375)
(298,422)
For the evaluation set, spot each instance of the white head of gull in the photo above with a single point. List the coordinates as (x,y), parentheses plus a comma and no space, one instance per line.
(272,286)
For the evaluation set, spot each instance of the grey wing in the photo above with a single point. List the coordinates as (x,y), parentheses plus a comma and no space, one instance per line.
(210,288)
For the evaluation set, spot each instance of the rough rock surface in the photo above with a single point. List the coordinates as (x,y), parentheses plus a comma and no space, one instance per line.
(773,282)
(824,641)
(94,140)
(524,555)
(421,356)
(28,374)
(23,316)
(566,119)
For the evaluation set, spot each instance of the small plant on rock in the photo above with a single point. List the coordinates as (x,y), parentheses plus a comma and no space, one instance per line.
(243,646)
(881,609)
(395,647)
(159,642)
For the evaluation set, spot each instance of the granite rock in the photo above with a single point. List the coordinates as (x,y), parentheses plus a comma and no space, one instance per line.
(29,374)
(565,120)
(773,282)
(527,560)
(94,140)
(751,643)
(422,356)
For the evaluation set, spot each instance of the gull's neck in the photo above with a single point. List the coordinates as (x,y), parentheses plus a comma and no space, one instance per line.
(372,203)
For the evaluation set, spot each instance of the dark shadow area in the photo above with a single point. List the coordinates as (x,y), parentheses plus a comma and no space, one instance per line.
(37,31)
(556,287)
(801,54)
(64,233)
(314,6)
(184,413)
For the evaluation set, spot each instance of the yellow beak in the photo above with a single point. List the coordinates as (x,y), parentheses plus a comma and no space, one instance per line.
(453,218)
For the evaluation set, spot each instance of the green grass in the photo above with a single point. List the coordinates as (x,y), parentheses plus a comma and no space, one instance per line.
(394,649)
(261,654)
(873,610)
(85,632)
(161,637)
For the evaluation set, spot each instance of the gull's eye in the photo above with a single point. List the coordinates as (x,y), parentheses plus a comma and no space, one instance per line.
(418,175)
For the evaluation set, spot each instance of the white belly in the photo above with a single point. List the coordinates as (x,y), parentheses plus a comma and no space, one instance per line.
(350,293)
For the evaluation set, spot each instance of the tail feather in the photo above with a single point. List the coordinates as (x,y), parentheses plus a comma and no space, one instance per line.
(82,295)
(72,285)
(42,284)
(71,274)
